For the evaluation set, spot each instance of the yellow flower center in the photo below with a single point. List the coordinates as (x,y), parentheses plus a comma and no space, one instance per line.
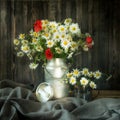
(62,29)
(65,42)
(47,34)
(73,28)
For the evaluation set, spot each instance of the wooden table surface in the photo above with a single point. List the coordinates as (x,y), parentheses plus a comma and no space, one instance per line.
(105,94)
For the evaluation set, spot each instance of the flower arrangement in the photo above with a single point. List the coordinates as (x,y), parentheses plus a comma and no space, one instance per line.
(51,39)
(82,79)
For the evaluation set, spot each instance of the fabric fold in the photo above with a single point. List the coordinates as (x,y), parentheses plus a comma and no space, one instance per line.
(18,102)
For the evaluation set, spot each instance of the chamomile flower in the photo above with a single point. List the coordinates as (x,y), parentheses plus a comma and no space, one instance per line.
(65,44)
(91,74)
(93,85)
(62,36)
(39,48)
(85,48)
(84,81)
(56,36)
(24,42)
(35,34)
(74,28)
(25,48)
(67,21)
(22,36)
(46,35)
(74,46)
(72,81)
(33,66)
(76,72)
(85,71)
(50,43)
(34,40)
(16,42)
(69,74)
(53,24)
(97,74)
(58,50)
(69,37)
(20,54)
(44,24)
(62,29)
(53,31)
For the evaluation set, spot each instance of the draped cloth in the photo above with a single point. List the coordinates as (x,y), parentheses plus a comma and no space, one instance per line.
(18,102)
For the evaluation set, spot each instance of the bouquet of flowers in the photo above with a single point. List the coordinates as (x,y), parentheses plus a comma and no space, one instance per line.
(82,79)
(51,39)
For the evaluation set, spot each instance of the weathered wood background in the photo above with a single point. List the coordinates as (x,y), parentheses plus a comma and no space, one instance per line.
(101,18)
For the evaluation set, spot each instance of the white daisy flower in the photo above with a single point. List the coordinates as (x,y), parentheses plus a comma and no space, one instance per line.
(91,74)
(65,44)
(39,48)
(76,72)
(74,28)
(72,81)
(22,36)
(97,74)
(33,66)
(69,37)
(67,21)
(85,71)
(85,48)
(56,36)
(44,24)
(34,40)
(24,42)
(58,50)
(20,54)
(25,48)
(46,35)
(84,81)
(74,46)
(62,36)
(50,43)
(35,34)
(62,29)
(53,24)
(93,85)
(69,74)
(16,42)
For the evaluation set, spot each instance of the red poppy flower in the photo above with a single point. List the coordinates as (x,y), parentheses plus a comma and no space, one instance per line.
(89,40)
(48,54)
(38,26)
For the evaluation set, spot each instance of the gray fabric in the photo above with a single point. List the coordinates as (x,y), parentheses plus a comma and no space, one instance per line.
(18,102)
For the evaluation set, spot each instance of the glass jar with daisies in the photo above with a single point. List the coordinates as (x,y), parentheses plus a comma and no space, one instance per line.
(51,39)
(81,82)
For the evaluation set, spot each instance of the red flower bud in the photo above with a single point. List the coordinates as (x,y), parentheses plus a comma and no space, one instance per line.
(89,40)
(38,26)
(48,54)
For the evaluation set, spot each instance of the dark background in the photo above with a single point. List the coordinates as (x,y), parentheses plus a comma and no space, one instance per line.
(101,18)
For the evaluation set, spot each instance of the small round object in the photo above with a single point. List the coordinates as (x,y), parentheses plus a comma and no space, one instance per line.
(44,92)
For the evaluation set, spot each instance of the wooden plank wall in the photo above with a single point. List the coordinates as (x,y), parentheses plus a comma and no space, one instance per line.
(101,18)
